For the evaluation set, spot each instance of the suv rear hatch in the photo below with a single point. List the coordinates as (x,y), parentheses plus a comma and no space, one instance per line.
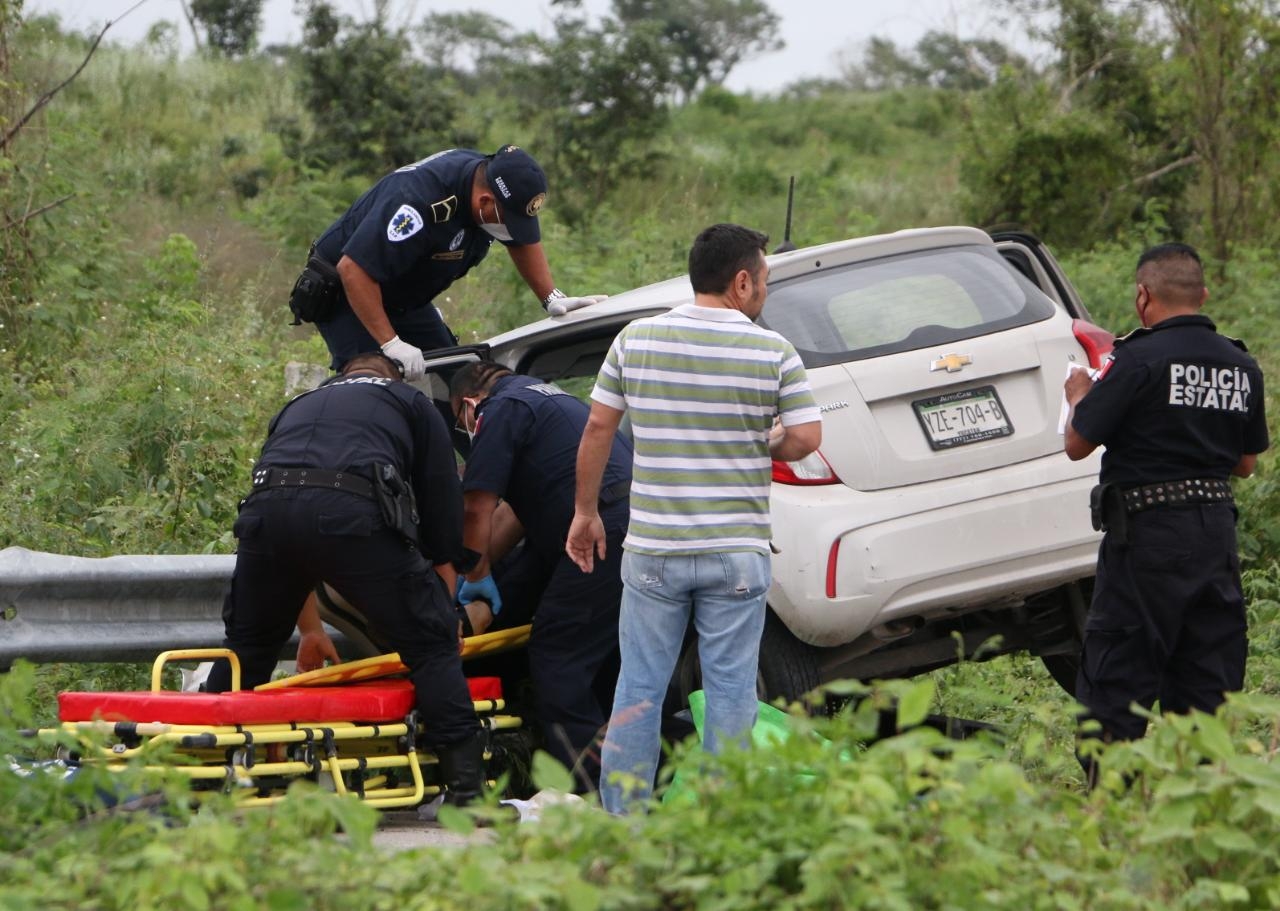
(929,365)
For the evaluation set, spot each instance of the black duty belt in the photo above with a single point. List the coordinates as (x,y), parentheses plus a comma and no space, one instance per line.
(615,492)
(267,478)
(1176,493)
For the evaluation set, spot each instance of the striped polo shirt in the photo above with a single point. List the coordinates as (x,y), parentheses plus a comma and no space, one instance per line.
(702,387)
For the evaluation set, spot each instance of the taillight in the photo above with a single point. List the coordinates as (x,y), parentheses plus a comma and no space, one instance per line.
(812,469)
(1096,342)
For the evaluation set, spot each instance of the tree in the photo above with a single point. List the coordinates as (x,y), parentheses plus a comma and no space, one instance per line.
(230,26)
(878,65)
(1196,84)
(1027,159)
(374,106)
(596,98)
(1225,87)
(467,43)
(951,62)
(29,189)
(705,39)
(939,59)
(1064,175)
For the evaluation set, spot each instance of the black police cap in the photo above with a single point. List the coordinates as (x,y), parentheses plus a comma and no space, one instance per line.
(520,186)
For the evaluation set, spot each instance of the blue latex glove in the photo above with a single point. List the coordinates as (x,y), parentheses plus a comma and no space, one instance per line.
(485,589)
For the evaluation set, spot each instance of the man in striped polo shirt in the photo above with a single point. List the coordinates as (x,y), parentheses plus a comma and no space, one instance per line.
(712,399)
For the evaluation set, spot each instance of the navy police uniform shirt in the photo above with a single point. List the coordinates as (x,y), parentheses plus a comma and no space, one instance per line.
(412,230)
(1176,401)
(526,449)
(351,423)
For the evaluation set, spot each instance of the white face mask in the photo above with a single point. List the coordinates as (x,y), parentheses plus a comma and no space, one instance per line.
(497,231)
(462,418)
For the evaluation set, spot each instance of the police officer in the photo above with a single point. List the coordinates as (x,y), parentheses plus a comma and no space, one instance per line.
(525,436)
(357,485)
(1179,409)
(372,277)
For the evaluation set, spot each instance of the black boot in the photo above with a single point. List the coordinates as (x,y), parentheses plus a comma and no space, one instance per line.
(462,769)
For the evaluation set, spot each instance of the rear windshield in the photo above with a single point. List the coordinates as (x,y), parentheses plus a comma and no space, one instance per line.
(901,303)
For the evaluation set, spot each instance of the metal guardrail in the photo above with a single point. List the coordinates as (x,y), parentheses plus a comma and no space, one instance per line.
(126,608)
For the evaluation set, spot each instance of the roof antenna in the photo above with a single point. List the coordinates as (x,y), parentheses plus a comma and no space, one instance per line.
(787,246)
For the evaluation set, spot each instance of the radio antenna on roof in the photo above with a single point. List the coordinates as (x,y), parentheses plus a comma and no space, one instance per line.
(787,246)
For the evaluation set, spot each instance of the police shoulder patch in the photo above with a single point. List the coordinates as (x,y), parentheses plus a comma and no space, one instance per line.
(1132,336)
(1239,343)
(443,209)
(404,224)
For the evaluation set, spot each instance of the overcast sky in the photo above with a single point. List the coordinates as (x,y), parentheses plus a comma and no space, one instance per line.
(815,31)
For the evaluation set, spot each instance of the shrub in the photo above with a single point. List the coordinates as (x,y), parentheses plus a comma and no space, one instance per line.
(823,820)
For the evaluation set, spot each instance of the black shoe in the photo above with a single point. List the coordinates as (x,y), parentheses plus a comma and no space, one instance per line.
(462,769)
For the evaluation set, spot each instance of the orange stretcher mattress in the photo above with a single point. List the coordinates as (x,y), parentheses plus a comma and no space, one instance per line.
(380,701)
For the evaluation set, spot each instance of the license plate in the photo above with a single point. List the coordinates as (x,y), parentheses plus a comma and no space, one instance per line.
(957,418)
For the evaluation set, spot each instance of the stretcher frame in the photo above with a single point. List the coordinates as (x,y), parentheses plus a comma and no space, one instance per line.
(373,759)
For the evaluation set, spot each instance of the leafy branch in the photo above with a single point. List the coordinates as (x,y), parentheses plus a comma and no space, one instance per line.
(27,216)
(48,96)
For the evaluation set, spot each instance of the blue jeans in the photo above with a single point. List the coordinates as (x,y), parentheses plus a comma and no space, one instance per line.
(726,594)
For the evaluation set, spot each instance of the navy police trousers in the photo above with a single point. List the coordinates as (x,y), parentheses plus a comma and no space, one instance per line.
(1167,620)
(290,540)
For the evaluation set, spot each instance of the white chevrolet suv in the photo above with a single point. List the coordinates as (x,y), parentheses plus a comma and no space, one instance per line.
(940,515)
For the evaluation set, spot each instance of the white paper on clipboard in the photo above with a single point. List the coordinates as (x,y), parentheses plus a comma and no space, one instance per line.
(1066,408)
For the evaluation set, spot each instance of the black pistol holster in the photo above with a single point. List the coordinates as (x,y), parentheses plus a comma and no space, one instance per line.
(317,293)
(395,498)
(1106,509)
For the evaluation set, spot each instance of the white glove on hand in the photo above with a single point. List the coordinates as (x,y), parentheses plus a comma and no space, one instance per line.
(412,366)
(562,305)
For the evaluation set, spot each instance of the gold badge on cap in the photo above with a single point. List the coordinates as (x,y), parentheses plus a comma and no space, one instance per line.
(535,204)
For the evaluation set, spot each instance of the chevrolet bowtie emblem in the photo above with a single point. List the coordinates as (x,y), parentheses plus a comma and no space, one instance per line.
(952,363)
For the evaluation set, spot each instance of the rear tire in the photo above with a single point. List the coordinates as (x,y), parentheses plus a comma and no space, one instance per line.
(1064,666)
(788,668)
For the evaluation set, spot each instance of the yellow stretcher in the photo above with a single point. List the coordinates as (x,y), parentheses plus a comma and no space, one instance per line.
(351,727)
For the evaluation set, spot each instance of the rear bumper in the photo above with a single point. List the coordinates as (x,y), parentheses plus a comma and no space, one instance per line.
(929,549)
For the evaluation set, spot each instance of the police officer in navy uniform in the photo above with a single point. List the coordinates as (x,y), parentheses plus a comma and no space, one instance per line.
(525,436)
(357,485)
(1180,410)
(373,276)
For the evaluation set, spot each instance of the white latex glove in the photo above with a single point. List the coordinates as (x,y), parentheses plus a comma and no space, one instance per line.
(562,305)
(410,358)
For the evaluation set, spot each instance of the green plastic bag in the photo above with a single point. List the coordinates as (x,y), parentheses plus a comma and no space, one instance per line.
(772,727)
(772,724)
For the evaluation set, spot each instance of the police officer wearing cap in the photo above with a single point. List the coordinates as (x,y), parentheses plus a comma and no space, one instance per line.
(357,485)
(372,277)
(1180,410)
(525,436)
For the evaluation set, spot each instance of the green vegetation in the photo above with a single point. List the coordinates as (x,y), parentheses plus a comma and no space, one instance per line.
(155,210)
(825,821)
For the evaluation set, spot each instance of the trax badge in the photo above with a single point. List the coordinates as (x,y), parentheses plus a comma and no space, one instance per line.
(952,363)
